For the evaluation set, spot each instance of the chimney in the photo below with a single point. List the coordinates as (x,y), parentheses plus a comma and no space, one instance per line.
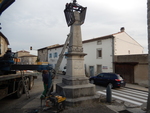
(122,29)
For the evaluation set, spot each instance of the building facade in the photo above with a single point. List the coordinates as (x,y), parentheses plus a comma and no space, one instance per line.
(25,57)
(3,44)
(28,59)
(100,52)
(53,55)
(22,53)
(43,53)
(99,55)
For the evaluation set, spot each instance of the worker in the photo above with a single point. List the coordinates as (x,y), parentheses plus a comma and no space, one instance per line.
(47,82)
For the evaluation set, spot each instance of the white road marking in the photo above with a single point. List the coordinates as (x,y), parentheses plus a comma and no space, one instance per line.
(143,92)
(123,99)
(135,92)
(131,94)
(129,97)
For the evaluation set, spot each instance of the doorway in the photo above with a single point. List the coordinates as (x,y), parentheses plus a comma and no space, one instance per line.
(91,69)
(99,69)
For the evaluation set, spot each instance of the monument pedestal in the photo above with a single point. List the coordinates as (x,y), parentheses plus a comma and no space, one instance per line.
(75,84)
(77,90)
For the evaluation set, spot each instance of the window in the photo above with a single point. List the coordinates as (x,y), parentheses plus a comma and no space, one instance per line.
(55,55)
(50,55)
(99,42)
(106,76)
(100,75)
(99,53)
(99,69)
(128,51)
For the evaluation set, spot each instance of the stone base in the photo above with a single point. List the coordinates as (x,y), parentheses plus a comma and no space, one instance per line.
(77,90)
(70,80)
(82,101)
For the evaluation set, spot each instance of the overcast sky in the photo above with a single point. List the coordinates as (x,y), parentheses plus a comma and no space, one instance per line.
(41,23)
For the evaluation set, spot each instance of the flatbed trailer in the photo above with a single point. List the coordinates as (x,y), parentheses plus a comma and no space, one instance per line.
(12,84)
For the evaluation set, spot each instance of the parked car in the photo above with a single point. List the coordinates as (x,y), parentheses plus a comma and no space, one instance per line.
(113,79)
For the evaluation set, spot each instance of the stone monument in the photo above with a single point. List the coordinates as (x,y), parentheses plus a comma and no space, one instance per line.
(75,84)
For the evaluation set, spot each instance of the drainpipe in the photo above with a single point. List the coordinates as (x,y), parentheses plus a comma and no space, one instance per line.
(113,53)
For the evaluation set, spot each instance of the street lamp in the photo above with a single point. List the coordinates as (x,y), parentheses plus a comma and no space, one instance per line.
(69,12)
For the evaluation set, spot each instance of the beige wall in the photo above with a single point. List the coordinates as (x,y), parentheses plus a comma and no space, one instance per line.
(3,46)
(22,53)
(28,60)
(141,74)
(126,45)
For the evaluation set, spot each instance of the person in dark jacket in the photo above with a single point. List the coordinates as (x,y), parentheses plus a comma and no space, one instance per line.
(47,82)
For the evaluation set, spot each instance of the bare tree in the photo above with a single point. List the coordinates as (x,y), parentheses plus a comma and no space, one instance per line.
(148,23)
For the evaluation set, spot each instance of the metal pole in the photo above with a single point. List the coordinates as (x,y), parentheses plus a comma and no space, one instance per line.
(148,23)
(108,93)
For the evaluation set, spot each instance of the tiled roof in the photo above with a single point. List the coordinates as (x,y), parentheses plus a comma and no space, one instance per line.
(49,47)
(23,51)
(98,38)
(102,37)
(85,41)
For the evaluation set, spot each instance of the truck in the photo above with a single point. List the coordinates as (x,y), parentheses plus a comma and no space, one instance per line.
(13,78)
(12,84)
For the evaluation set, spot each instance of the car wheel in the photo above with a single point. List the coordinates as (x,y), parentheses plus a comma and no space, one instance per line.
(19,90)
(27,83)
(92,81)
(111,85)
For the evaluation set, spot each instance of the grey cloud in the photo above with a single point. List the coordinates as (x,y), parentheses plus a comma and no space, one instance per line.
(43,22)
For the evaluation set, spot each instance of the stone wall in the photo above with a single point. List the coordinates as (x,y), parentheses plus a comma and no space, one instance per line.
(140,69)
(43,55)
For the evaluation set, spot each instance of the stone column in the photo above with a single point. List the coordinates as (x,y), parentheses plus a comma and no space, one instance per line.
(75,61)
(75,84)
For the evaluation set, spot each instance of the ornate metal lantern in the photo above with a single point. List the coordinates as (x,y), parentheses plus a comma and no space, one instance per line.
(69,12)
